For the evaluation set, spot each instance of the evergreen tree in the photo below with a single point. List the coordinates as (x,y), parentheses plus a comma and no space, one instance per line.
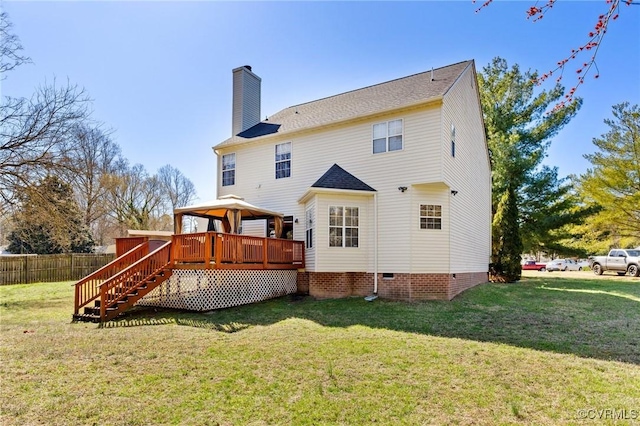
(519,127)
(613,183)
(49,221)
(506,240)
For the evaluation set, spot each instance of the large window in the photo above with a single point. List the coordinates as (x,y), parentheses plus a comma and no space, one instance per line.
(309,228)
(283,160)
(387,136)
(343,226)
(228,169)
(430,216)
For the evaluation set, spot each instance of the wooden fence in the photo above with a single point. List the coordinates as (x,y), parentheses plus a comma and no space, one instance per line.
(25,269)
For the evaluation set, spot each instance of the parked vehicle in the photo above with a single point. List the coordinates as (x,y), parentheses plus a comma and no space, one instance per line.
(584,263)
(532,265)
(620,261)
(563,265)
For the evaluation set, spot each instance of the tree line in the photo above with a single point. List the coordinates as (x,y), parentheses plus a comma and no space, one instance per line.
(64,184)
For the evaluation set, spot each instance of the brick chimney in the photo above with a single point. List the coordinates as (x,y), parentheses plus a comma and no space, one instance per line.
(246,99)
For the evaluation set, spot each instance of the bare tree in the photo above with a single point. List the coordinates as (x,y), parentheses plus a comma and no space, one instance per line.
(91,156)
(134,198)
(179,190)
(10,47)
(32,131)
(32,135)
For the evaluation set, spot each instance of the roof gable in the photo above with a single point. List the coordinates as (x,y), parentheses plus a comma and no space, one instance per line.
(338,178)
(392,95)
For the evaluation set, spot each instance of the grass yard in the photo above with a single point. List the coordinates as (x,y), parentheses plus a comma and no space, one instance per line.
(545,351)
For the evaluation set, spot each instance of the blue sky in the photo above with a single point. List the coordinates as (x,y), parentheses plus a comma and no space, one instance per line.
(159,73)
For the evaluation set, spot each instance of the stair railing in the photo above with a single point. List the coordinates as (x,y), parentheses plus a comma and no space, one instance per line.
(126,281)
(88,288)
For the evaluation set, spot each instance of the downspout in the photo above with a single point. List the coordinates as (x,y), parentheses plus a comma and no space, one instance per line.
(375,244)
(374,296)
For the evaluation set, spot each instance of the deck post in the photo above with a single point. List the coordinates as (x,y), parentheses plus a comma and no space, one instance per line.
(218,251)
(207,249)
(103,303)
(76,308)
(265,252)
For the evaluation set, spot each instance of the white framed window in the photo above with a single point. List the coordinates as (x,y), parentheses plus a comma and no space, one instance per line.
(453,140)
(387,136)
(309,219)
(229,169)
(343,226)
(430,216)
(283,160)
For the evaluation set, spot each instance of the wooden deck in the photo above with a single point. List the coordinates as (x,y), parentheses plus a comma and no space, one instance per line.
(138,270)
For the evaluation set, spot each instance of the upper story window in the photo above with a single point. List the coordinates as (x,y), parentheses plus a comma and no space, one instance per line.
(387,136)
(343,226)
(430,216)
(283,160)
(453,140)
(229,169)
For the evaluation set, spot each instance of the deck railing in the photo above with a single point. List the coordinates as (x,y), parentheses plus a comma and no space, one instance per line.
(231,251)
(125,244)
(120,285)
(88,288)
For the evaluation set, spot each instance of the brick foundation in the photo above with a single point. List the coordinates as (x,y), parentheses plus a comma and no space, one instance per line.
(405,287)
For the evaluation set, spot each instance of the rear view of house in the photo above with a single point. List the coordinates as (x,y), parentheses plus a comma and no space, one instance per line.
(389,186)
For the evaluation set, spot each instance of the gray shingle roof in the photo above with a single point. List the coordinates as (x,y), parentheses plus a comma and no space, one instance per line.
(338,178)
(387,96)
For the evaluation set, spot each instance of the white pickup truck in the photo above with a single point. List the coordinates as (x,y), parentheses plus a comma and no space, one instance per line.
(618,260)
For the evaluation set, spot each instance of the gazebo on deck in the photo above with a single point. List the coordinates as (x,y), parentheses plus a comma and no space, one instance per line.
(230,210)
(230,249)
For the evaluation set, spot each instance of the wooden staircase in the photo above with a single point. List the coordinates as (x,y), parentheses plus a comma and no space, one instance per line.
(119,285)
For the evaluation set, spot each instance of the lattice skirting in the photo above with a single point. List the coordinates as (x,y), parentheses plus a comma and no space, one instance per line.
(204,290)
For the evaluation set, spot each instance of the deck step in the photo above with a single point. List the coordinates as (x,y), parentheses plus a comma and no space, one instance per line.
(86,317)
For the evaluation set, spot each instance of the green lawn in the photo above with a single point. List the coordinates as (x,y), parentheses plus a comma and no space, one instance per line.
(545,351)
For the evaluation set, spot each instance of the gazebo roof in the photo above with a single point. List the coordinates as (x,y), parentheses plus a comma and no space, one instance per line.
(218,209)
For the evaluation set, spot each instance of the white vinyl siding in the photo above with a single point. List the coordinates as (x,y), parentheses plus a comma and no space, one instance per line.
(254,228)
(349,145)
(430,247)
(229,169)
(311,223)
(468,174)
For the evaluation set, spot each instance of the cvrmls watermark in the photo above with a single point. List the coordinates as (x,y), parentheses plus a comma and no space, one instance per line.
(609,414)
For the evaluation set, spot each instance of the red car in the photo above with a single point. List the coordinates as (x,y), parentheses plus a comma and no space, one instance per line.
(532,265)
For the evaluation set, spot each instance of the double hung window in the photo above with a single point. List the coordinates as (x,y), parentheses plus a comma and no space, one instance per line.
(343,226)
(283,160)
(387,136)
(229,169)
(430,216)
